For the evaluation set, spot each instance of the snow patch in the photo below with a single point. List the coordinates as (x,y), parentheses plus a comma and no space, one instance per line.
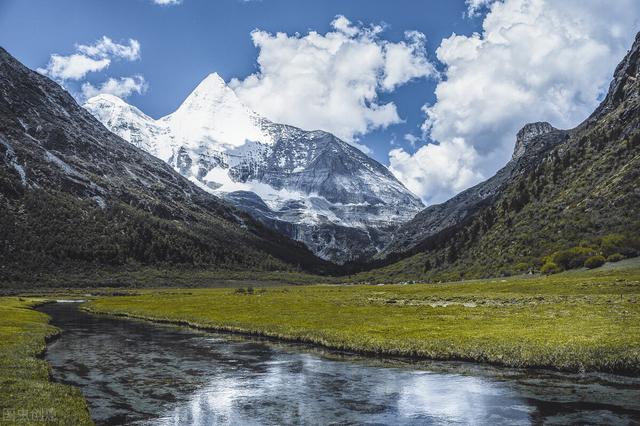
(22,123)
(23,175)
(221,176)
(62,165)
(201,185)
(100,202)
(12,160)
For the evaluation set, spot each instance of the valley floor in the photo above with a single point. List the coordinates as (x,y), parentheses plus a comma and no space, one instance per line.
(574,321)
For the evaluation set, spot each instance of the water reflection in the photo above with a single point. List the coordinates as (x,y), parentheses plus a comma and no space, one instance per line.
(307,390)
(134,372)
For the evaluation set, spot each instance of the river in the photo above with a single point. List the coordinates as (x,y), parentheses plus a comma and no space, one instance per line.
(135,372)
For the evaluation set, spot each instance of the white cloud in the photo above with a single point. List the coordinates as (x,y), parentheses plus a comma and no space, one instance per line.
(89,58)
(121,87)
(406,61)
(411,138)
(167,2)
(342,24)
(73,67)
(449,168)
(105,48)
(332,81)
(536,60)
(474,7)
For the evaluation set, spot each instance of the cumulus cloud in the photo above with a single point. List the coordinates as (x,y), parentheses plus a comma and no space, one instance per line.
(406,60)
(73,67)
(121,87)
(451,167)
(96,57)
(535,60)
(105,48)
(474,7)
(332,81)
(89,58)
(411,138)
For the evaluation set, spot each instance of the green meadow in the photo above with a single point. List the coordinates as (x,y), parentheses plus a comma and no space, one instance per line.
(573,321)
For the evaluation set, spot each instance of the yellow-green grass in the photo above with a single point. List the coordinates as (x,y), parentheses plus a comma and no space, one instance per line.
(588,320)
(27,396)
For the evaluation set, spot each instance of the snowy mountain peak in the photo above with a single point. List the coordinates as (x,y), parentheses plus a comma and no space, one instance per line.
(214,78)
(310,185)
(112,104)
(126,121)
(108,98)
(212,93)
(212,83)
(213,114)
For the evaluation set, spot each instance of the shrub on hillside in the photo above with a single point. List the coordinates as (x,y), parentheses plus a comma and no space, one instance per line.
(572,258)
(522,267)
(611,244)
(594,262)
(550,268)
(616,243)
(615,257)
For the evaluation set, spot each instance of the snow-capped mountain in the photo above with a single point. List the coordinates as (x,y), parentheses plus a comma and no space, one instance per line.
(309,185)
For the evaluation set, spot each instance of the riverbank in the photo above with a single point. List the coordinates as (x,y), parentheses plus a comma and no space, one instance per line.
(27,396)
(134,371)
(574,321)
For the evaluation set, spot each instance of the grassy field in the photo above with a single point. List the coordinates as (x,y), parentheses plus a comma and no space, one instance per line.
(67,280)
(27,396)
(575,321)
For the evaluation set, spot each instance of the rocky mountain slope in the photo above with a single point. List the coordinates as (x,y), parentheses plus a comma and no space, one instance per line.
(75,196)
(532,142)
(561,189)
(309,185)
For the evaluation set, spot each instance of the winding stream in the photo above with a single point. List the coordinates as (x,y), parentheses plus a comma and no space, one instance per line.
(135,372)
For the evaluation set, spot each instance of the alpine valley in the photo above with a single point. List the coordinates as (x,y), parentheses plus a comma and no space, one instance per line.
(309,185)
(213,266)
(138,192)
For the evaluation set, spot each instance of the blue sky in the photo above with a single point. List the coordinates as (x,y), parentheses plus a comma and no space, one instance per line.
(510,62)
(181,44)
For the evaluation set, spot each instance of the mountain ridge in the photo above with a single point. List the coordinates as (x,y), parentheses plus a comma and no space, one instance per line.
(531,142)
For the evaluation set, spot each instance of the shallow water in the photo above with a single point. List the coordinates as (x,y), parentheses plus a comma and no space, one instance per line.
(142,373)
